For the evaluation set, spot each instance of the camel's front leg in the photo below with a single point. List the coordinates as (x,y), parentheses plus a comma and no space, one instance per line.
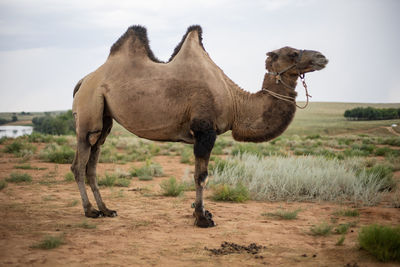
(205,137)
(203,217)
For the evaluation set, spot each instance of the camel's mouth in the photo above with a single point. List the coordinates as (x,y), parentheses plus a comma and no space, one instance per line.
(319,62)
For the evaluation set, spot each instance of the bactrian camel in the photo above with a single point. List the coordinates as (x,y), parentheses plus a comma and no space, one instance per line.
(187,99)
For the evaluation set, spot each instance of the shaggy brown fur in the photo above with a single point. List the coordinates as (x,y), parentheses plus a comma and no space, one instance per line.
(189,99)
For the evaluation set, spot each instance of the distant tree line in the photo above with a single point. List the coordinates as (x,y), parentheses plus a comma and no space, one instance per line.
(371,113)
(13,118)
(55,125)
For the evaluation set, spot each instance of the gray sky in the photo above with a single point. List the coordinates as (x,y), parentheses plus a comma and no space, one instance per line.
(46,46)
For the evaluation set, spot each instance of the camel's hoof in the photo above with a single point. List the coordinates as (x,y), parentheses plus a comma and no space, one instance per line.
(204,221)
(93,213)
(110,213)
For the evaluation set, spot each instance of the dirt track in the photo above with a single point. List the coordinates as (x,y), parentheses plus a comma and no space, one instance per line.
(155,230)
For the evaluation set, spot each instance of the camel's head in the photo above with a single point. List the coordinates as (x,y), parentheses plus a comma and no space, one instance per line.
(294,62)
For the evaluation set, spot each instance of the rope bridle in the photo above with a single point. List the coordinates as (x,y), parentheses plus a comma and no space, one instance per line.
(278,79)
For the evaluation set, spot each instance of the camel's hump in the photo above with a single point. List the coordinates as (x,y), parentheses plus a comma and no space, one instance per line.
(141,33)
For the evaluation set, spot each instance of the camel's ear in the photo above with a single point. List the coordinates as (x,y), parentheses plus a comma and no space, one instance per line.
(274,56)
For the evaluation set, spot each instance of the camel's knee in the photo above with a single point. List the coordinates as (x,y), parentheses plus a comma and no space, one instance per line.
(201,180)
(93,136)
(204,135)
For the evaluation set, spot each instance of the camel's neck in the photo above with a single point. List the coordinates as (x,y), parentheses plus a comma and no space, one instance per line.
(261,117)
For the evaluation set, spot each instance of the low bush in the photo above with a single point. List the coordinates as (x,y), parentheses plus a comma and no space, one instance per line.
(172,187)
(20,148)
(187,155)
(381,241)
(36,137)
(226,192)
(57,154)
(55,125)
(17,177)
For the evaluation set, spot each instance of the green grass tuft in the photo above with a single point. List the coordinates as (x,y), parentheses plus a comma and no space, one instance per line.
(322,229)
(381,241)
(17,177)
(3,184)
(86,225)
(347,213)
(283,214)
(340,241)
(69,177)
(50,242)
(226,192)
(172,187)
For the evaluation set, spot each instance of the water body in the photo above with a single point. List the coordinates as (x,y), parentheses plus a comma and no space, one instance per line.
(15,131)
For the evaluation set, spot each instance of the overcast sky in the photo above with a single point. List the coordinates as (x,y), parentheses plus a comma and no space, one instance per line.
(46,46)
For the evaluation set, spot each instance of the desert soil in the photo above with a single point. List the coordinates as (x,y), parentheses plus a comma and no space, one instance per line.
(151,229)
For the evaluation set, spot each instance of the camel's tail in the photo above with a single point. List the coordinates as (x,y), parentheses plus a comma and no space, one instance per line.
(77,86)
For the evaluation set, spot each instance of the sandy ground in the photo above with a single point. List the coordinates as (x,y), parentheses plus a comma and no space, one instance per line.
(155,230)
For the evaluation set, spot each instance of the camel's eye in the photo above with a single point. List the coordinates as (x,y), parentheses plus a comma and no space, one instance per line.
(293,55)
(274,56)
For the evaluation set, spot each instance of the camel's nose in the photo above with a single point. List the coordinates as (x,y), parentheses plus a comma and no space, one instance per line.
(319,61)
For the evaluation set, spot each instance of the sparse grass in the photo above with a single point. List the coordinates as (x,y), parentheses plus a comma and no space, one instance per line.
(17,177)
(340,241)
(50,242)
(322,229)
(384,175)
(301,179)
(72,203)
(3,184)
(172,187)
(69,177)
(347,213)
(140,223)
(283,214)
(226,192)
(342,229)
(381,241)
(57,154)
(145,177)
(122,182)
(86,225)
(187,155)
(28,167)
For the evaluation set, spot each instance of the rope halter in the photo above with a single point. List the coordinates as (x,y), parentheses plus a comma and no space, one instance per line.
(278,79)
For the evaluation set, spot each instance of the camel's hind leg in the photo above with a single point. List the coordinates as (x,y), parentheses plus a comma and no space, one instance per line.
(91,168)
(79,169)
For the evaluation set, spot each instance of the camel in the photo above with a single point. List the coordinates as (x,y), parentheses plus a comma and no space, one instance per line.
(187,99)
